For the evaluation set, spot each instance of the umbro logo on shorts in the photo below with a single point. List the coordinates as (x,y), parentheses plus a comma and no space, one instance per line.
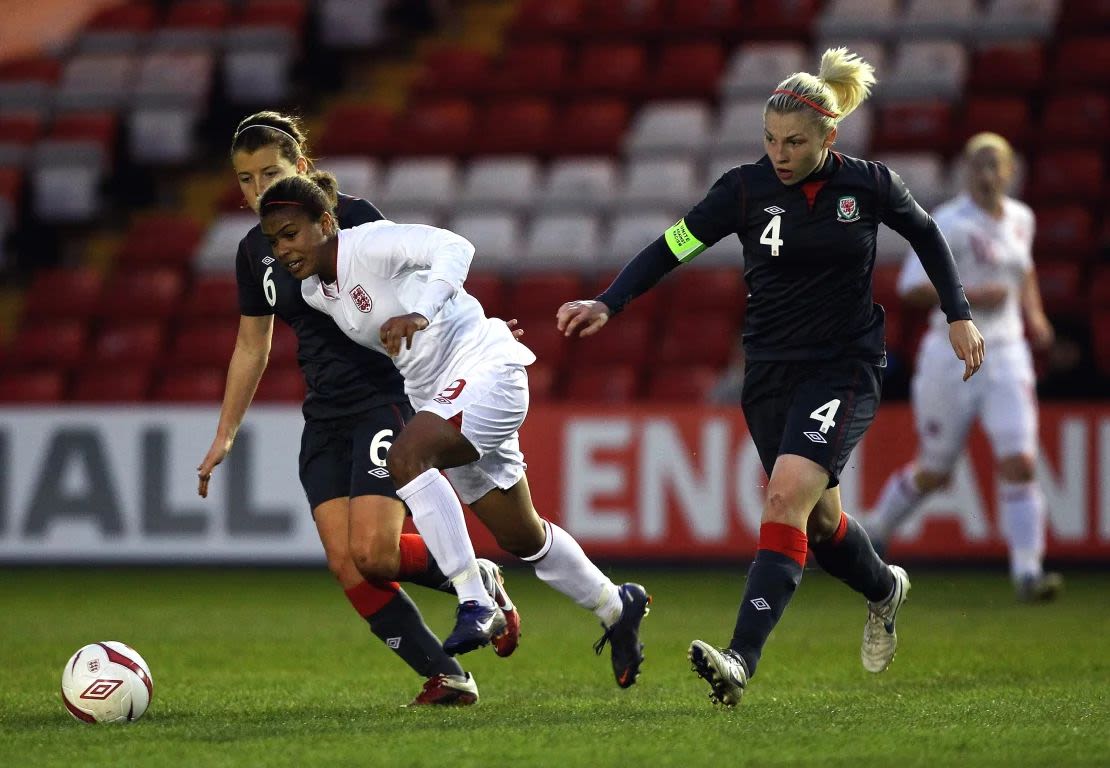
(815,437)
(760,604)
(381,472)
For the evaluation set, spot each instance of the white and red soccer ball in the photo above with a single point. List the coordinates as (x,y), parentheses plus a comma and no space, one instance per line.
(107,683)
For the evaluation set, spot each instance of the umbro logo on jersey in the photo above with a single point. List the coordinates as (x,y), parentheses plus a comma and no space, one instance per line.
(815,437)
(760,604)
(269,260)
(847,209)
(362,299)
(381,472)
(774,210)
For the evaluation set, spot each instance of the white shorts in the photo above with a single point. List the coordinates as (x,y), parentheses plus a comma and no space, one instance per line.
(488,409)
(1002,395)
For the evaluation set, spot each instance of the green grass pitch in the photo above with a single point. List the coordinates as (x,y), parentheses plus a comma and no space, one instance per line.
(272,668)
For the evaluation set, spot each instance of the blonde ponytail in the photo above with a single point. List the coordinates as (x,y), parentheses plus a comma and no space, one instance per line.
(843,81)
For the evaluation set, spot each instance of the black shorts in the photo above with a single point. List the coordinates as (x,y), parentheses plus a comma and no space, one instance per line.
(346,457)
(815,409)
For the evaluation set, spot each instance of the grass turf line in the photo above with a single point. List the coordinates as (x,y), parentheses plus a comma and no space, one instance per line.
(272,668)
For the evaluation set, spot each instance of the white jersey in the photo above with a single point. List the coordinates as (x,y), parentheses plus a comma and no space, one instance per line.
(386,269)
(987,251)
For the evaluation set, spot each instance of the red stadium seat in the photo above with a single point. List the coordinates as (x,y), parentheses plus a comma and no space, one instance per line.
(115,384)
(20,129)
(713,19)
(611,384)
(187,385)
(706,289)
(547,19)
(130,342)
(791,20)
(97,127)
(34,69)
(46,386)
(1080,16)
(11,187)
(353,129)
(532,69)
(161,239)
(1011,68)
(435,128)
(542,382)
(914,126)
(1008,116)
(128,17)
(282,383)
(541,294)
(625,342)
(453,72)
(1064,176)
(591,127)
(1064,232)
(623,19)
(1100,287)
(212,296)
(197,14)
(1062,288)
(703,338)
(283,345)
(1083,62)
(1073,118)
(274,13)
(688,385)
(59,343)
(204,344)
(687,71)
(64,292)
(489,289)
(1100,340)
(610,69)
(142,293)
(543,338)
(521,126)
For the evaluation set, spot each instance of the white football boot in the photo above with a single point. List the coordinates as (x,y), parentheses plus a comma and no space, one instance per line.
(880,640)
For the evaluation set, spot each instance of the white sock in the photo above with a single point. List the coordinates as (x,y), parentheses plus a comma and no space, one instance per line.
(438,516)
(563,565)
(897,502)
(1023,524)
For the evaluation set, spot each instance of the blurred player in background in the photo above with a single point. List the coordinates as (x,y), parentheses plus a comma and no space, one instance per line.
(991,235)
(807,218)
(398,289)
(355,407)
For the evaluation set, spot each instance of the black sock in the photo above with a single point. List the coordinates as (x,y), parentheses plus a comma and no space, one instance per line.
(849,556)
(400,626)
(772,580)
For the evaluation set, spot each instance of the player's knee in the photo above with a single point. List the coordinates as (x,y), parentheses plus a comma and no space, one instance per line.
(406,462)
(781,507)
(374,563)
(1019,468)
(339,563)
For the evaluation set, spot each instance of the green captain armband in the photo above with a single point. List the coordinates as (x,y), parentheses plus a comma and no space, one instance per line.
(682,243)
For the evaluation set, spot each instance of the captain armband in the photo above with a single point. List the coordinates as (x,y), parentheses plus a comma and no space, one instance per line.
(682,242)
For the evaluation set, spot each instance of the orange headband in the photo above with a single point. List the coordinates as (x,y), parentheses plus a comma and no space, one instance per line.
(807,102)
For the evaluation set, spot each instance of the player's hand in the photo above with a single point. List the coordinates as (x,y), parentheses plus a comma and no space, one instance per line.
(1041,332)
(401,328)
(221,446)
(968,344)
(586,317)
(517,332)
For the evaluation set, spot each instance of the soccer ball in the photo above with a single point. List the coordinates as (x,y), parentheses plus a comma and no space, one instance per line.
(106,683)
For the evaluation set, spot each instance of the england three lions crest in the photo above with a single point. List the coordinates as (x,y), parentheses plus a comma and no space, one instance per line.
(847,209)
(362,299)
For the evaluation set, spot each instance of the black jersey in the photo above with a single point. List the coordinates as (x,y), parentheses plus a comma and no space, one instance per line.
(809,253)
(343,378)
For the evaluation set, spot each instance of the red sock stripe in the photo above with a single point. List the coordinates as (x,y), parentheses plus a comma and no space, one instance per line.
(414,554)
(841,528)
(784,539)
(369,598)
